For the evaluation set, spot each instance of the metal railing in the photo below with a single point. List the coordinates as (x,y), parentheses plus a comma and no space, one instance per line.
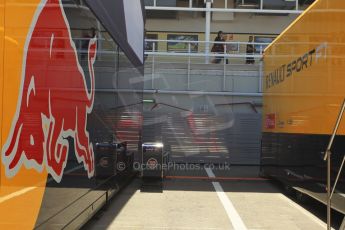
(198,46)
(194,54)
(240,6)
(327,157)
(200,50)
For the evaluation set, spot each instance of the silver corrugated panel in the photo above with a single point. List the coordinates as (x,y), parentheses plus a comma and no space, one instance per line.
(208,138)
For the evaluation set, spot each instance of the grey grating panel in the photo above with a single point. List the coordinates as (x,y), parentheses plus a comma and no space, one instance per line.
(208,138)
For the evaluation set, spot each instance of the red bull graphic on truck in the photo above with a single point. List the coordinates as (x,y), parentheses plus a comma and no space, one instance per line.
(54,100)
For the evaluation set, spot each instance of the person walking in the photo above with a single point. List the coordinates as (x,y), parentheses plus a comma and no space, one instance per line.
(219,47)
(250,51)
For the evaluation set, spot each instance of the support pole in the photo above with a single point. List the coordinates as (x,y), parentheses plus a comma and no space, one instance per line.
(189,67)
(153,67)
(207,29)
(224,68)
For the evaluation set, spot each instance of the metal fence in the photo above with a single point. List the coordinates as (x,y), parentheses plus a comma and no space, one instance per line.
(192,59)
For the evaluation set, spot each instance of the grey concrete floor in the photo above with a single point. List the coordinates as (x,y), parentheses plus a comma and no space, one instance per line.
(189,203)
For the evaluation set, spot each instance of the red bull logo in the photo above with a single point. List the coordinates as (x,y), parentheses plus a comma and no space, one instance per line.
(54,101)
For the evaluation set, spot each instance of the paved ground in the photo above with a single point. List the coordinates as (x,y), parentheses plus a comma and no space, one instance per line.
(238,199)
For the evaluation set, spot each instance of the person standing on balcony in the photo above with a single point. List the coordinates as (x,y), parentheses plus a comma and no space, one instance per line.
(219,47)
(250,51)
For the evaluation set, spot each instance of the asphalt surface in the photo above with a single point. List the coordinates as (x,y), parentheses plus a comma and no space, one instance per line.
(231,198)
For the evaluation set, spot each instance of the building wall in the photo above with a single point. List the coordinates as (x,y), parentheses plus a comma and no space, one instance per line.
(247,23)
